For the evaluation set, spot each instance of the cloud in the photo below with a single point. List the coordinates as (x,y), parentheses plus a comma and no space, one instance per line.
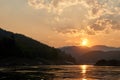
(103,15)
(100,24)
(55,6)
(78,16)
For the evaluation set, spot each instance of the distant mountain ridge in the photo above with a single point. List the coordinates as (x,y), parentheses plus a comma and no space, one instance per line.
(105,48)
(96,47)
(89,55)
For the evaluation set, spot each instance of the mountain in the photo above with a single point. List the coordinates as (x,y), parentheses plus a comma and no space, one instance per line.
(104,48)
(17,49)
(75,51)
(93,56)
(90,55)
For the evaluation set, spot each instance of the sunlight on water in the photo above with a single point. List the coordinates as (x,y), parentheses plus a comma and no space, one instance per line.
(61,72)
(84,70)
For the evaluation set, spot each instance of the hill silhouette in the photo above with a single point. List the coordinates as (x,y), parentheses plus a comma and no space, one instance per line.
(17,49)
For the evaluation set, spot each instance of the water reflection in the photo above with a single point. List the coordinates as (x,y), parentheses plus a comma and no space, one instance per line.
(62,72)
(83,68)
(84,71)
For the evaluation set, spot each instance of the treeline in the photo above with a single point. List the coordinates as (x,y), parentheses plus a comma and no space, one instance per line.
(104,62)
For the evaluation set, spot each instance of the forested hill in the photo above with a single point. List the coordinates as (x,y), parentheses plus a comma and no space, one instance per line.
(17,49)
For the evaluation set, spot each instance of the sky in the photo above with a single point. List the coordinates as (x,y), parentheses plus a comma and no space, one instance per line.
(64,22)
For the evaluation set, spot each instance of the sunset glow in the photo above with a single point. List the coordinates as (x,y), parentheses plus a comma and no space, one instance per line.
(51,21)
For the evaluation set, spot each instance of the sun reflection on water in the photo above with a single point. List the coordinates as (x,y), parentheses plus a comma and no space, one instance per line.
(84,68)
(83,71)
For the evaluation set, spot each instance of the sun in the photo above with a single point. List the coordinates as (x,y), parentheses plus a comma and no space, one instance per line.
(84,42)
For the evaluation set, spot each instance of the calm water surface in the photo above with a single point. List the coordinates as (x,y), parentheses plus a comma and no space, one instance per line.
(60,72)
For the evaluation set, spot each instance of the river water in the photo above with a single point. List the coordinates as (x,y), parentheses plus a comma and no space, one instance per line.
(60,72)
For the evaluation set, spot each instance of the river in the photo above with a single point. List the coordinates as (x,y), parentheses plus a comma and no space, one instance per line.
(60,72)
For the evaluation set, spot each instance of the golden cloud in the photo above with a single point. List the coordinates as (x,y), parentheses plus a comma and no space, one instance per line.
(73,16)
